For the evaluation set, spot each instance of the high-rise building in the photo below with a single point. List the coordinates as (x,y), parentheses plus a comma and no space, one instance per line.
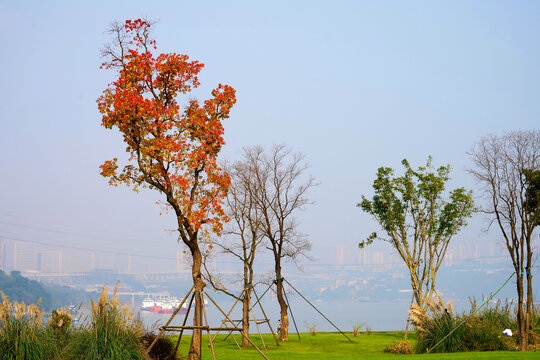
(363,257)
(50,261)
(75,261)
(130,263)
(378,258)
(340,255)
(24,256)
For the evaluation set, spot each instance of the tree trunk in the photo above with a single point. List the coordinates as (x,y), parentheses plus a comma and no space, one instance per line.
(417,293)
(245,318)
(522,324)
(408,318)
(284,331)
(530,302)
(196,345)
(530,305)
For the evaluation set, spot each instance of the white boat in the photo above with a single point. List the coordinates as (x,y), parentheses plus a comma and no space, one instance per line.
(147,303)
(164,304)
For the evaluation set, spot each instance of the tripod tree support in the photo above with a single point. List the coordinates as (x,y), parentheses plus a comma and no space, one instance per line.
(313,306)
(168,322)
(257,324)
(223,323)
(184,324)
(264,293)
(266,317)
(241,331)
(206,326)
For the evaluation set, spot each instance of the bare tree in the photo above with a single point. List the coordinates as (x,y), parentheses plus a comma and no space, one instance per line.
(280,184)
(500,162)
(242,236)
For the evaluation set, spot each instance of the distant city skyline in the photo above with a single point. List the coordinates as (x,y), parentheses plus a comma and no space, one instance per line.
(28,258)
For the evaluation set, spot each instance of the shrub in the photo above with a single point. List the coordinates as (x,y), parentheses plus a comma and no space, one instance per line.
(111,333)
(497,315)
(401,347)
(22,335)
(163,349)
(482,335)
(440,330)
(511,343)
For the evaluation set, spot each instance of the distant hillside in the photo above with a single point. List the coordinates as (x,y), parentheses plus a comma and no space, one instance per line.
(18,288)
(65,295)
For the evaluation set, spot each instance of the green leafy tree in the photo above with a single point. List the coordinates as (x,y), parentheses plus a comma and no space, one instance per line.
(417,220)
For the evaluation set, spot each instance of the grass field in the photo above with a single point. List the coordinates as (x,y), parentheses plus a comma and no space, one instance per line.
(335,346)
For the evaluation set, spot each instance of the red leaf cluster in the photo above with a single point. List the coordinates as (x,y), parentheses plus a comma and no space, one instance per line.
(172,150)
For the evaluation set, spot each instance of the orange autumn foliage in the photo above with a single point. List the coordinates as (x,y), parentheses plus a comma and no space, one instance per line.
(172,149)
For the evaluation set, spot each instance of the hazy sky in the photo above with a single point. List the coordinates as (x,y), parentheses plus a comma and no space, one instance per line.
(354,85)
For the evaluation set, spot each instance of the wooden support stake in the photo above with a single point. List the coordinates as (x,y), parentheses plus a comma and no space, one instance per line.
(237,323)
(207,327)
(170,319)
(230,311)
(266,317)
(241,332)
(255,346)
(184,324)
(227,318)
(202,327)
(257,324)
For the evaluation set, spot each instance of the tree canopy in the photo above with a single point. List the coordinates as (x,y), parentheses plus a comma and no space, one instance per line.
(532,180)
(417,219)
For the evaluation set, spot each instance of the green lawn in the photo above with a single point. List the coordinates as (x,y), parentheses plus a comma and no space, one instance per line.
(335,346)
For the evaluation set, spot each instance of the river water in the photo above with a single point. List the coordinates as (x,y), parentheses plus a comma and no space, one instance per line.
(344,314)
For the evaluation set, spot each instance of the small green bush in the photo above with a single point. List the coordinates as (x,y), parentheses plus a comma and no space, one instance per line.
(440,330)
(435,329)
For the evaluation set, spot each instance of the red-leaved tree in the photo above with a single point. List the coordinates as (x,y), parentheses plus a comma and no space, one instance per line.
(172,150)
